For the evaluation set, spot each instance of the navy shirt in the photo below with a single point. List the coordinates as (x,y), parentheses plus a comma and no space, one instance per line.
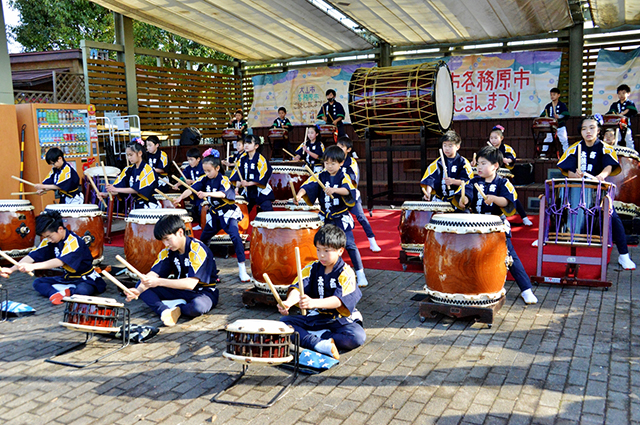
(499,186)
(618,108)
(142,179)
(197,262)
(594,158)
(317,148)
(192,173)
(66,178)
(71,250)
(282,123)
(336,208)
(457,168)
(561,110)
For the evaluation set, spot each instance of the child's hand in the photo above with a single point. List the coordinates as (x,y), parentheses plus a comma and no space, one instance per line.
(150,281)
(449,181)
(177,201)
(175,187)
(330,190)
(134,293)
(26,267)
(202,195)
(507,161)
(5,272)
(39,187)
(306,302)
(489,199)
(463,202)
(284,311)
(40,192)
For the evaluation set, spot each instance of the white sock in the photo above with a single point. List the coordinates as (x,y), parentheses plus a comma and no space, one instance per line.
(324,347)
(528,297)
(373,245)
(361,278)
(242,272)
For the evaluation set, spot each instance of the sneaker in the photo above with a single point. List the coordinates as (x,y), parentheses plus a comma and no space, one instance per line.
(528,297)
(170,316)
(242,273)
(362,279)
(196,227)
(527,221)
(373,245)
(56,299)
(625,262)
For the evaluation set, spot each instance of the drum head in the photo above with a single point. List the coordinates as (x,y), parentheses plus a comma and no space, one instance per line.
(147,216)
(258,326)
(444,97)
(287,220)
(97,171)
(438,206)
(289,169)
(15,205)
(466,223)
(75,210)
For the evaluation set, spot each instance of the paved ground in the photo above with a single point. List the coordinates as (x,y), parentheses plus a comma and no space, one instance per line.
(573,358)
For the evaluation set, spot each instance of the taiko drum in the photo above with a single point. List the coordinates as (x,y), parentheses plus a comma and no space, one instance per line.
(95,314)
(243,224)
(415,216)
(85,220)
(280,178)
(17,227)
(258,342)
(627,190)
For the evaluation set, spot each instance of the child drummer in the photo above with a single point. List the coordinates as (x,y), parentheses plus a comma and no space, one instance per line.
(223,212)
(458,170)
(311,150)
(330,298)
(500,198)
(62,178)
(339,196)
(625,107)
(252,174)
(231,160)
(60,247)
(194,270)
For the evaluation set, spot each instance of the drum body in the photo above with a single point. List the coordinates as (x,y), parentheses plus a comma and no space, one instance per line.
(141,248)
(221,238)
(168,204)
(17,227)
(279,182)
(327,130)
(627,190)
(573,212)
(545,125)
(278,134)
(91,314)
(259,342)
(415,216)
(614,121)
(231,134)
(402,99)
(274,237)
(467,260)
(85,220)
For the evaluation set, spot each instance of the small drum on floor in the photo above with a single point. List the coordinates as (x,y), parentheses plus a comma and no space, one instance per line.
(231,134)
(467,261)
(279,182)
(17,227)
(278,134)
(415,216)
(85,220)
(274,237)
(627,189)
(259,342)
(141,248)
(243,225)
(91,314)
(164,203)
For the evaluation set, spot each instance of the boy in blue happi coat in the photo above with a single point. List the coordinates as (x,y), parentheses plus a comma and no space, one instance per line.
(251,175)
(62,178)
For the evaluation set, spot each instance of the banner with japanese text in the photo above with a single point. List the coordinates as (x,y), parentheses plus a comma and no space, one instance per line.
(301,92)
(612,70)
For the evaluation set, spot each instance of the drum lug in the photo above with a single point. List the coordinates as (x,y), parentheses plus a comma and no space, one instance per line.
(88,238)
(23,230)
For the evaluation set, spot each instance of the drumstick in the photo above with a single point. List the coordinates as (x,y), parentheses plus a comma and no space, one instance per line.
(24,193)
(444,168)
(317,178)
(300,282)
(98,194)
(474,157)
(176,178)
(237,167)
(489,143)
(293,190)
(288,153)
(164,179)
(426,192)
(129,266)
(23,181)
(180,170)
(161,193)
(462,194)
(590,176)
(628,180)
(228,143)
(12,261)
(273,290)
(118,284)
(480,191)
(579,164)
(106,179)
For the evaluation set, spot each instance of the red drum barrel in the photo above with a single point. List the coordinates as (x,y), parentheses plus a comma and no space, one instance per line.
(231,134)
(274,236)
(327,130)
(85,220)
(545,125)
(141,248)
(279,182)
(627,190)
(17,227)
(467,261)
(614,121)
(278,134)
(258,342)
(415,216)
(91,314)
(402,99)
(221,238)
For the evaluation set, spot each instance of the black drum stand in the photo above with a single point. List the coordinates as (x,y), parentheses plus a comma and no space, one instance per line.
(482,314)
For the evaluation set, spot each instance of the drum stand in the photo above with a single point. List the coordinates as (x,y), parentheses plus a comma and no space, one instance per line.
(4,304)
(482,314)
(125,329)
(409,257)
(283,391)
(573,261)
(553,150)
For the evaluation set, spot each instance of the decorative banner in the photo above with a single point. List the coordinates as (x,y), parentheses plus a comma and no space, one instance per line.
(612,70)
(301,92)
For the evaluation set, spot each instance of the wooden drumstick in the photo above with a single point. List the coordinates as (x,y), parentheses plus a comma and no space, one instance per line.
(118,284)
(129,266)
(288,153)
(98,194)
(176,178)
(474,158)
(300,282)
(590,176)
(24,193)
(180,171)
(444,168)
(12,261)
(164,179)
(23,181)
(273,290)
(463,187)
(317,178)
(106,178)
(489,143)
(237,168)
(293,190)
(161,193)
(579,162)
(628,180)
(227,158)
(480,191)
(426,192)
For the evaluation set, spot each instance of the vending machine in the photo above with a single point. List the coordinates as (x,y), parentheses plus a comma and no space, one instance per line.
(72,128)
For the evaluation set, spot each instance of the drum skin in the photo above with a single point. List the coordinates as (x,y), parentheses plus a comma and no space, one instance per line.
(412,224)
(91,229)
(545,124)
(327,130)
(231,134)
(17,230)
(141,248)
(469,264)
(627,191)
(273,252)
(164,203)
(279,183)
(278,133)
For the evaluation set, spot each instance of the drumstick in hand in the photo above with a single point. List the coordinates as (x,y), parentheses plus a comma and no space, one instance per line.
(129,266)
(426,193)
(12,261)
(195,192)
(106,179)
(180,171)
(118,284)
(474,158)
(480,191)
(293,190)
(23,193)
(23,181)
(444,168)
(95,188)
(300,281)
(288,153)
(489,143)
(227,158)
(579,163)
(314,175)
(161,193)
(273,291)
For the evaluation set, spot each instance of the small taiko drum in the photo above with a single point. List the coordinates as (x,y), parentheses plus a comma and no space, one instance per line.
(627,190)
(415,216)
(468,259)
(545,125)
(274,237)
(141,248)
(278,134)
(243,225)
(85,220)
(97,174)
(614,121)
(502,172)
(258,342)
(327,130)
(17,227)
(302,206)
(168,203)
(91,314)
(279,182)
(231,134)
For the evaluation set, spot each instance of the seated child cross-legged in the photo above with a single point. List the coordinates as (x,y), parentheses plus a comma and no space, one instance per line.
(330,298)
(193,266)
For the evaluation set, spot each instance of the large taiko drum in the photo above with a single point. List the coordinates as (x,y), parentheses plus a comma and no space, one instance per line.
(415,216)
(222,238)
(17,227)
(402,99)
(91,314)
(141,248)
(545,125)
(274,237)
(627,190)
(164,203)
(468,259)
(574,211)
(278,134)
(279,182)
(614,121)
(231,134)
(258,342)
(85,220)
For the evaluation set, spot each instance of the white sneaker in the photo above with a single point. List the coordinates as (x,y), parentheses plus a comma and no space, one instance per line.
(625,261)
(362,279)
(528,297)
(373,245)
(527,222)
(242,273)
(196,227)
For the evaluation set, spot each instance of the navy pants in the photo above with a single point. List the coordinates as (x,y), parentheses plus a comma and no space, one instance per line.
(345,333)
(218,223)
(262,202)
(617,234)
(520,209)
(362,218)
(199,301)
(517,269)
(87,286)
(351,247)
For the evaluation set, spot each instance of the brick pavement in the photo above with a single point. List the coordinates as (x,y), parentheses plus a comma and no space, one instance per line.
(571,359)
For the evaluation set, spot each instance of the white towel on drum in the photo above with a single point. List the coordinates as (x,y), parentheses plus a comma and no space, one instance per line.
(78,199)
(60,287)
(173,303)
(266,191)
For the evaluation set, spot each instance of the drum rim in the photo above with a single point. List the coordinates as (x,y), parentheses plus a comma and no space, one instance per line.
(274,218)
(436,91)
(153,212)
(84,299)
(99,173)
(289,168)
(454,223)
(588,182)
(73,209)
(13,203)
(438,205)
(275,327)
(258,361)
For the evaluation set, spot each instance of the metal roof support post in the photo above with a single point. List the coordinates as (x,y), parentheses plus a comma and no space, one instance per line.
(576,44)
(385,54)
(6,84)
(124,36)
